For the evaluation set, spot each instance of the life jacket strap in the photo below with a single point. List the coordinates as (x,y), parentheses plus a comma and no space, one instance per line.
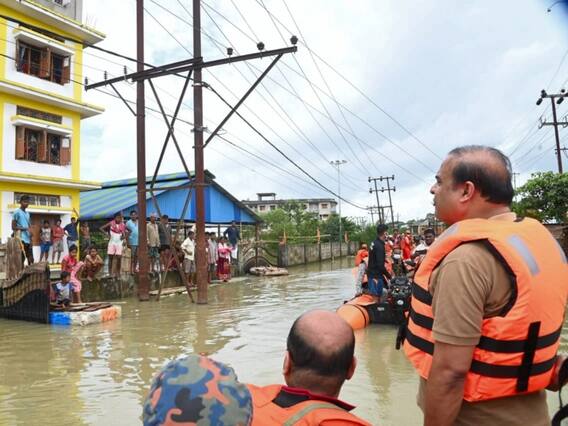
(421,294)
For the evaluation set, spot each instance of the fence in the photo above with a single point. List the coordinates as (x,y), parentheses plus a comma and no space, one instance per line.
(299,254)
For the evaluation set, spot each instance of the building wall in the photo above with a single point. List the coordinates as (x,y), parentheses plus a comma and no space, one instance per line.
(72,91)
(10,164)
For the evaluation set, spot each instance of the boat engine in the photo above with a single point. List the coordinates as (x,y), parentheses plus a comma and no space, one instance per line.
(400,292)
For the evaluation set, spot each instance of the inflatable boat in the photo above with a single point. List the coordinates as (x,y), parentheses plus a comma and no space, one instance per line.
(367,309)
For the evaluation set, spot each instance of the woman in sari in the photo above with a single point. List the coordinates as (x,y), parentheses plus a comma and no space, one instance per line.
(224,260)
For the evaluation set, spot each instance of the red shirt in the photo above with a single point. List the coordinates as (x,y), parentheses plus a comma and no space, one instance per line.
(57,233)
(406,247)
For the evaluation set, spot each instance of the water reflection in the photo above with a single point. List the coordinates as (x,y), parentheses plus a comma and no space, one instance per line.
(100,374)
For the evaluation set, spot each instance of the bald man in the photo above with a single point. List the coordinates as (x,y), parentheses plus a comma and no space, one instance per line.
(318,360)
(488,301)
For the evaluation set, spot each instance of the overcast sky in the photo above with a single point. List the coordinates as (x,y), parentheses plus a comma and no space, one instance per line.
(451,73)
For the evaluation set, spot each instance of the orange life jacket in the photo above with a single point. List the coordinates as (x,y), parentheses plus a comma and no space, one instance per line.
(388,257)
(360,256)
(517,349)
(271,408)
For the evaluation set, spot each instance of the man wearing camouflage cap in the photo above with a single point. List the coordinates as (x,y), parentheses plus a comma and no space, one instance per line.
(199,391)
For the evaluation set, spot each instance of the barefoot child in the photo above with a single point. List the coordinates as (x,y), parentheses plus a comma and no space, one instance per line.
(45,241)
(93,263)
(76,282)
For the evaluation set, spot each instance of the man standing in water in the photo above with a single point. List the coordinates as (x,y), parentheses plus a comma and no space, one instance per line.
(488,303)
(376,271)
(21,228)
(318,360)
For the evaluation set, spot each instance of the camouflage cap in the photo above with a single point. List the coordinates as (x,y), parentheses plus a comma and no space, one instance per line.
(197,390)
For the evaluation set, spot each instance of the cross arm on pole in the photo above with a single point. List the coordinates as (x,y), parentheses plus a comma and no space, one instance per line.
(249,91)
(189,64)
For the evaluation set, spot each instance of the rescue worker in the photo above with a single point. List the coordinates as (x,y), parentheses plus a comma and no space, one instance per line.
(318,360)
(377,272)
(488,302)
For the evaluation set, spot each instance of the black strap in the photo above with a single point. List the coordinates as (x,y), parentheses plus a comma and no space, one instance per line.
(513,346)
(421,320)
(421,295)
(510,371)
(528,357)
(419,343)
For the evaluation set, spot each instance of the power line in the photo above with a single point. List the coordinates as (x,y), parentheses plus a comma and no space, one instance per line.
(230,91)
(350,83)
(323,92)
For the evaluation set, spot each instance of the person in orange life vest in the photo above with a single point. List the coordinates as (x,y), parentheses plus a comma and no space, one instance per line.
(318,360)
(406,246)
(361,253)
(419,252)
(488,302)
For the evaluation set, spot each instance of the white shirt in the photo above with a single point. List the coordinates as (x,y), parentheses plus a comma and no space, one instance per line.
(188,248)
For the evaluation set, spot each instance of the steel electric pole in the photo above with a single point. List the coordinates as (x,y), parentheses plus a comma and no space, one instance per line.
(338,163)
(143,280)
(555,99)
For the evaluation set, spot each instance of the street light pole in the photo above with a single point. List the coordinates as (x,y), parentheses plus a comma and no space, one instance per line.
(338,163)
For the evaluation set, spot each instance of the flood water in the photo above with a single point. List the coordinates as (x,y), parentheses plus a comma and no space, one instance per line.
(100,374)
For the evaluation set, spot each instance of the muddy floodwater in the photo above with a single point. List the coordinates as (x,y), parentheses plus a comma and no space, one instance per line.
(100,374)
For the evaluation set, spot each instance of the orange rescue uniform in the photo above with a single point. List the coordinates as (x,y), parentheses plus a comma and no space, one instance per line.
(285,406)
(517,350)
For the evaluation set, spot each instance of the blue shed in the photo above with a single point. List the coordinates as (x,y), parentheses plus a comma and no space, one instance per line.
(120,196)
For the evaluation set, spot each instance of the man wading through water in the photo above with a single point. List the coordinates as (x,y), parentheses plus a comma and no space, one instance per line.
(488,302)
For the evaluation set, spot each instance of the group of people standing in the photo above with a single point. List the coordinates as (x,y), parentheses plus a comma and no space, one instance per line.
(164,251)
(389,255)
(51,234)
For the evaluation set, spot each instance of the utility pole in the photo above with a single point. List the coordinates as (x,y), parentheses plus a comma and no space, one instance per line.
(193,65)
(376,191)
(389,189)
(338,163)
(143,259)
(555,99)
(373,210)
(201,258)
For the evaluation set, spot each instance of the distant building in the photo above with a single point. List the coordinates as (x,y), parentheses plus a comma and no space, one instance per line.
(41,109)
(324,207)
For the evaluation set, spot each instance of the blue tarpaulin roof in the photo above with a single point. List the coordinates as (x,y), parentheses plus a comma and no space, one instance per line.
(120,196)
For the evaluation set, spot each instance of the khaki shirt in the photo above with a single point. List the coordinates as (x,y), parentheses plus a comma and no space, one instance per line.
(153,236)
(468,286)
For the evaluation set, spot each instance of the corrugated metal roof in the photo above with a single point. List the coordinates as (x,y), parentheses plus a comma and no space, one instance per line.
(104,203)
(121,196)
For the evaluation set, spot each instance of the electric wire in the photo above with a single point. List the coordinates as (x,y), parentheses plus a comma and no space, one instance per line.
(357,89)
(354,187)
(294,127)
(389,160)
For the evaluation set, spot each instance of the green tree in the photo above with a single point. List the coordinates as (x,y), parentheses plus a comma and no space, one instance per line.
(331,227)
(292,219)
(544,197)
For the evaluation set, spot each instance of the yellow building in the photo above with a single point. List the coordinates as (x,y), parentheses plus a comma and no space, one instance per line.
(41,108)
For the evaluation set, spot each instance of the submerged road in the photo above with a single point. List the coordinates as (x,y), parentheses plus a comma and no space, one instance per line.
(100,374)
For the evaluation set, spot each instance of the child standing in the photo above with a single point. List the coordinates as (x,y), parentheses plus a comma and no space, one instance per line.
(63,290)
(45,241)
(57,234)
(76,282)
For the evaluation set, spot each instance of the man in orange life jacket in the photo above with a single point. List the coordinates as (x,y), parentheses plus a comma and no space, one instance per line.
(318,360)
(488,302)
